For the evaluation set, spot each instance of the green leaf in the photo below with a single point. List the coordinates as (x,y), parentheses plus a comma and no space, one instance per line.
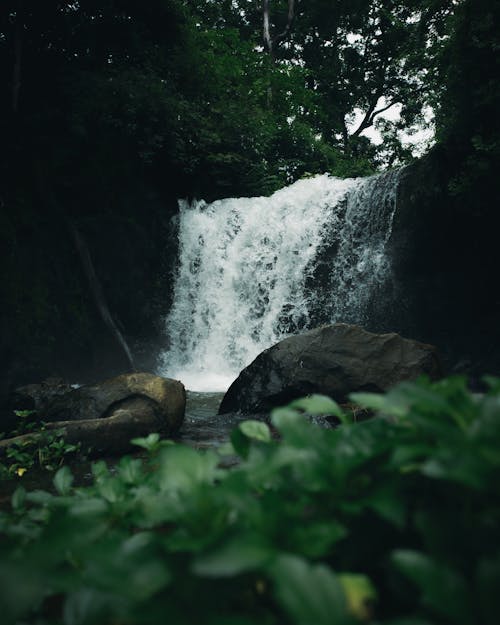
(315,538)
(281,417)
(311,594)
(183,468)
(247,431)
(257,430)
(111,489)
(63,480)
(319,405)
(239,555)
(18,498)
(396,407)
(442,589)
(240,443)
(99,470)
(360,593)
(149,443)
(87,606)
(130,470)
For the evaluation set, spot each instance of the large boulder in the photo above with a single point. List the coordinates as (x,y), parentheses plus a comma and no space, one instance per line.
(334,360)
(104,417)
(99,401)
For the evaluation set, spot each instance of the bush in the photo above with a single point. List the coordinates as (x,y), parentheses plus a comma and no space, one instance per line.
(394,520)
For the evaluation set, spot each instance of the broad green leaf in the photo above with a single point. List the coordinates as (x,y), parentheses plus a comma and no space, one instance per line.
(63,480)
(89,506)
(87,606)
(111,489)
(395,407)
(226,449)
(257,430)
(318,405)
(18,498)
(133,568)
(130,470)
(311,593)
(99,469)
(281,417)
(315,538)
(242,435)
(40,497)
(182,468)
(232,558)
(442,589)
(22,586)
(149,443)
(240,443)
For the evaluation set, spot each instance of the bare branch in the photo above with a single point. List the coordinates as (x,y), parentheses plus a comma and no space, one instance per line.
(370,115)
(268,42)
(289,23)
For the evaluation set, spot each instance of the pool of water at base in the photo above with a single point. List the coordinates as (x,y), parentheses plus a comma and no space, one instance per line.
(203,428)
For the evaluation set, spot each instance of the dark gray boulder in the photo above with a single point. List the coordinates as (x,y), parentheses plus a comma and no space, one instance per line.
(334,360)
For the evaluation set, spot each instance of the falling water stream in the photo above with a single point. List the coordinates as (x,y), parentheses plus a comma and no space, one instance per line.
(252,271)
(255,270)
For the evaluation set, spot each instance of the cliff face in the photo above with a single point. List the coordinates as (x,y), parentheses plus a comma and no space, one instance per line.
(445,254)
(50,324)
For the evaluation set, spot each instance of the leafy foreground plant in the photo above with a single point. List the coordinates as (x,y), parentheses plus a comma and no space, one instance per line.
(392,520)
(43,449)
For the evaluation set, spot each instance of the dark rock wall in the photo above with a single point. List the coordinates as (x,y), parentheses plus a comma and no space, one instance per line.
(445,254)
(49,322)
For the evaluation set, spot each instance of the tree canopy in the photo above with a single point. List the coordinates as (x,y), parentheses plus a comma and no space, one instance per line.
(233,96)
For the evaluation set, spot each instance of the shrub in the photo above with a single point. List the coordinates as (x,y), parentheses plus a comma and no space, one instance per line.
(394,520)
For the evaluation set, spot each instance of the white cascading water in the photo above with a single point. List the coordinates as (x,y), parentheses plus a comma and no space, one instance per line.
(249,271)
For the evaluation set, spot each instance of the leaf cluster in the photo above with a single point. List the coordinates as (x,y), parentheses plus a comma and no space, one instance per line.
(393,521)
(44,449)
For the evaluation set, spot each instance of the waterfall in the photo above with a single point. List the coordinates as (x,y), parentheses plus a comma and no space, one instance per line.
(254,270)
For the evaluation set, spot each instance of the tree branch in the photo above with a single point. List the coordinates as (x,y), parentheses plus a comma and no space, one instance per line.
(369,118)
(291,16)
(268,42)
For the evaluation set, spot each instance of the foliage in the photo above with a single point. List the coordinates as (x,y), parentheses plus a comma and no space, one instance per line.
(44,449)
(394,520)
(467,120)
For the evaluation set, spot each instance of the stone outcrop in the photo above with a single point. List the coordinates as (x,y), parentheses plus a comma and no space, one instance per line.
(334,360)
(104,417)
(101,400)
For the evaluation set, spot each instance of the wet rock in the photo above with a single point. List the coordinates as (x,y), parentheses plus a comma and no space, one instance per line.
(104,417)
(99,401)
(334,360)
(38,396)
